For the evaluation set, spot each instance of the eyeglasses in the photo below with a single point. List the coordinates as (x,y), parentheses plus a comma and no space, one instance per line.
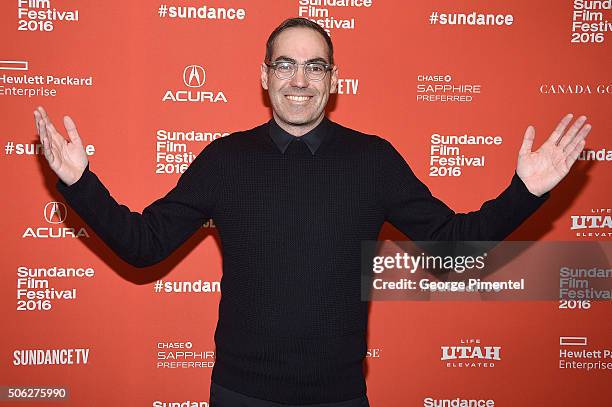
(314,71)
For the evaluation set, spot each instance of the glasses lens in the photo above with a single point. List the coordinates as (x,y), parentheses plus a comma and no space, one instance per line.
(315,71)
(285,70)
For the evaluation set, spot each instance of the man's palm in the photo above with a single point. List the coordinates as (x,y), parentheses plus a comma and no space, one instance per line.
(67,159)
(543,169)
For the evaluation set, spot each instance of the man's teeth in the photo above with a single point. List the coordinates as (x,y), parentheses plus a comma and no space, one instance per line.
(298,98)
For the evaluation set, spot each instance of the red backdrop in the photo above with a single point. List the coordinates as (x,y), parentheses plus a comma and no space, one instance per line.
(122,70)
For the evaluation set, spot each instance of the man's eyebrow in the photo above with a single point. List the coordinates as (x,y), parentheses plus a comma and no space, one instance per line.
(286,58)
(317,59)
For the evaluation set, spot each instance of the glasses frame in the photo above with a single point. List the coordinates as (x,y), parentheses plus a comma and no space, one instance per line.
(273,65)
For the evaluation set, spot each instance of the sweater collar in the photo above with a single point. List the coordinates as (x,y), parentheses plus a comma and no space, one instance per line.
(313,138)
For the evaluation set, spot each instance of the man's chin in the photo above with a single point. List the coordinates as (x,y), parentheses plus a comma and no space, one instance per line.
(298,121)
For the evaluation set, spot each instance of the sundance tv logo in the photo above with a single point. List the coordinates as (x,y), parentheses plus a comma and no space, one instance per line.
(470,353)
(55,213)
(597,224)
(63,356)
(194,77)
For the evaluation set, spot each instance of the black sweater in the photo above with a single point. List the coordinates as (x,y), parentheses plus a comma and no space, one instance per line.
(291,323)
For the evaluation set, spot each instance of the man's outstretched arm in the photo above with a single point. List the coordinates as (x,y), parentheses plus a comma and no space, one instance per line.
(140,239)
(410,206)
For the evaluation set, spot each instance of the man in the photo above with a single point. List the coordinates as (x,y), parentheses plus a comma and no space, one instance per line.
(292,200)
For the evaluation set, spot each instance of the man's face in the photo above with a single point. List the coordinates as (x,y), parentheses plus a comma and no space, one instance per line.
(299,116)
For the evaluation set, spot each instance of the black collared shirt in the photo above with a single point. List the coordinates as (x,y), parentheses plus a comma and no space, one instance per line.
(313,138)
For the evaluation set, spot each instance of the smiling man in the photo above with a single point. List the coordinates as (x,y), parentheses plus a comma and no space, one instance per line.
(295,74)
(293,199)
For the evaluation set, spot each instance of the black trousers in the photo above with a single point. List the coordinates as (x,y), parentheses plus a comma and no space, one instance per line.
(222,397)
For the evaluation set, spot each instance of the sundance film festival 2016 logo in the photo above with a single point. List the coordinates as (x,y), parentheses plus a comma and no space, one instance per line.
(55,213)
(470,353)
(590,21)
(597,224)
(41,15)
(321,12)
(194,77)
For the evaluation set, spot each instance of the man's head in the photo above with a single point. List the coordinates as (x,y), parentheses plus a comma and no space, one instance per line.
(298,102)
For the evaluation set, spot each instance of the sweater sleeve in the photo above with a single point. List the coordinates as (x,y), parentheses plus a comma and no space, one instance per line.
(410,206)
(145,239)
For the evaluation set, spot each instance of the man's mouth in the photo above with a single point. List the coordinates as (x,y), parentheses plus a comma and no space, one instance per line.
(295,98)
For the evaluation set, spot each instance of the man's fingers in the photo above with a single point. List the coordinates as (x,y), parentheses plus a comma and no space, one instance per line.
(56,140)
(569,135)
(49,137)
(48,152)
(527,141)
(573,149)
(73,134)
(574,154)
(42,112)
(45,141)
(37,118)
(571,146)
(42,130)
(558,132)
(563,123)
(50,126)
(584,131)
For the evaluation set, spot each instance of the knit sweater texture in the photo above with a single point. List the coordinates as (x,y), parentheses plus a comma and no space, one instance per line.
(292,325)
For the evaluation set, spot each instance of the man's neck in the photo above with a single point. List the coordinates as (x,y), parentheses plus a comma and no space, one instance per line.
(299,130)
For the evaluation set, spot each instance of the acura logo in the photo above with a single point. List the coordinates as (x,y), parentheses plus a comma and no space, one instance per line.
(55,212)
(194,76)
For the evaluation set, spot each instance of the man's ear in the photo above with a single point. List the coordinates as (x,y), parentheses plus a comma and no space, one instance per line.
(264,76)
(334,80)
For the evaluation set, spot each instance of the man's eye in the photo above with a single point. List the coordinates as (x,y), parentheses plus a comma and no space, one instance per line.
(285,66)
(316,68)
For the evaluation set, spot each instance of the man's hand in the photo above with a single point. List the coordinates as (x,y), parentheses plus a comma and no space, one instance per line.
(67,159)
(541,170)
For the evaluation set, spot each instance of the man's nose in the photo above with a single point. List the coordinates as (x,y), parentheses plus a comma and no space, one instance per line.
(299,80)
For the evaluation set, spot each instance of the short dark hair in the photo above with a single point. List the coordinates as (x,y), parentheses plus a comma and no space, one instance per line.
(299,22)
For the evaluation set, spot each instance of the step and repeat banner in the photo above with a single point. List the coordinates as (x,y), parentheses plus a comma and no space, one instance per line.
(451,84)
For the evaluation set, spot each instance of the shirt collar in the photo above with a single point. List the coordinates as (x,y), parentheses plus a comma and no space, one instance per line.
(313,138)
